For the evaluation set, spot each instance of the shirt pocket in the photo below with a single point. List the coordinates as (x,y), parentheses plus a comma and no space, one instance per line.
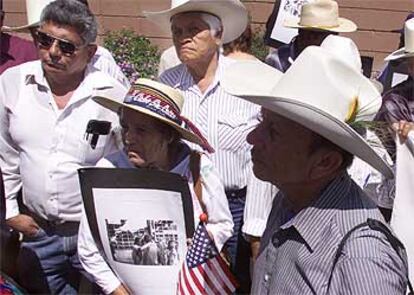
(232,132)
(89,155)
(77,144)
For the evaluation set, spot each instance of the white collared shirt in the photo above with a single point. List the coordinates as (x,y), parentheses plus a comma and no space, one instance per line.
(42,147)
(105,62)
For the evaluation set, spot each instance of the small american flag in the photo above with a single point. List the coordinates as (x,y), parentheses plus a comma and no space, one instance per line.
(204,271)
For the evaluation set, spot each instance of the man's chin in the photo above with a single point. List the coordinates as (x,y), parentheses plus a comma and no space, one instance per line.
(259,173)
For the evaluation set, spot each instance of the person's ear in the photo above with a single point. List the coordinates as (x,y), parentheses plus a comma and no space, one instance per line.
(91,51)
(325,162)
(218,36)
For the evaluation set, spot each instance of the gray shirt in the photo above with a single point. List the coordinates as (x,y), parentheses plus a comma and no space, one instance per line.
(297,251)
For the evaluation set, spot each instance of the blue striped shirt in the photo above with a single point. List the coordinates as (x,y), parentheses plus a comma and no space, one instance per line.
(223,119)
(297,253)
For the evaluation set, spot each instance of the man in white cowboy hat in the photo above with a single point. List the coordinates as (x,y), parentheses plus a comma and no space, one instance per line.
(45,110)
(318,19)
(198,29)
(398,102)
(14,50)
(397,107)
(323,235)
(102,59)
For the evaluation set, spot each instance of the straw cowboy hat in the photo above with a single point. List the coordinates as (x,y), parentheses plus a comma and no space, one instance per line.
(408,49)
(232,13)
(34,10)
(158,101)
(321,15)
(319,91)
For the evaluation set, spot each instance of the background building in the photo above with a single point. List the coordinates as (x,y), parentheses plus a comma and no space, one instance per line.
(375,19)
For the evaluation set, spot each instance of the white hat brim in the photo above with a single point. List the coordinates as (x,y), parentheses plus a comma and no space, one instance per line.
(345,26)
(232,14)
(115,106)
(238,82)
(400,53)
(25,28)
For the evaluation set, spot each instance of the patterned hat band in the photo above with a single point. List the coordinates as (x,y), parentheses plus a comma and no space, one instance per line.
(154,104)
(165,108)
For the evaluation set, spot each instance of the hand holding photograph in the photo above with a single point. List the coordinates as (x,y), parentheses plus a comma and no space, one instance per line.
(140,220)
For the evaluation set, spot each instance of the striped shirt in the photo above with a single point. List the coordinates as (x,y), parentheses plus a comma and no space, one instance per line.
(225,120)
(297,252)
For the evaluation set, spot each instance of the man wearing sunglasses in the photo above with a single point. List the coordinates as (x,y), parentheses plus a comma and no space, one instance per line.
(45,107)
(14,50)
(102,60)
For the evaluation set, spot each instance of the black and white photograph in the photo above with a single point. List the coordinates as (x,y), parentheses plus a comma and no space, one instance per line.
(155,243)
(293,7)
(276,33)
(140,222)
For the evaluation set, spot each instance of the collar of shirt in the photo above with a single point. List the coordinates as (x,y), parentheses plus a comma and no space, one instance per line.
(90,83)
(311,221)
(186,80)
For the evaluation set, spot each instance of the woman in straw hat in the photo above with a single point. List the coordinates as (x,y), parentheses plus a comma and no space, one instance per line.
(153,134)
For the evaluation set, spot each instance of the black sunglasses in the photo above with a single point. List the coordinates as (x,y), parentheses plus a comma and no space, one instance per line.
(45,40)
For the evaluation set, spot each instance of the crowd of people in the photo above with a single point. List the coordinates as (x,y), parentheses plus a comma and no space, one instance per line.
(291,159)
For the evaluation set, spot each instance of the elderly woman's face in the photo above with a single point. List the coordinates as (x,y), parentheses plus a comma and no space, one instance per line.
(193,39)
(146,142)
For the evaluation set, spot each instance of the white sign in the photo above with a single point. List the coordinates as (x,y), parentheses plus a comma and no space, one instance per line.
(288,9)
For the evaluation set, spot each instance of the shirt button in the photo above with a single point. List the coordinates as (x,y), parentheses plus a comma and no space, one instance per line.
(266,277)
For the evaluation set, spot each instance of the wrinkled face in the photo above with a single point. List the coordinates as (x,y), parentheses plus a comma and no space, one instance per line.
(146,141)
(193,39)
(307,38)
(55,54)
(281,150)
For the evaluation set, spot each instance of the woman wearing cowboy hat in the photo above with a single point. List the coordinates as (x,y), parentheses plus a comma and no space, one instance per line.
(199,28)
(153,133)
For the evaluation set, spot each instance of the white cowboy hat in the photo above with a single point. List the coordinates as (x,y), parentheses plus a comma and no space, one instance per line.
(345,49)
(232,13)
(321,15)
(158,101)
(319,91)
(408,49)
(34,10)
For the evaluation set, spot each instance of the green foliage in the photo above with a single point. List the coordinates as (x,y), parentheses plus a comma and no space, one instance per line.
(135,54)
(258,47)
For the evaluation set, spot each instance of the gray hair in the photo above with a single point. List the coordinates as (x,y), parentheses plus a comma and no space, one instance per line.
(74,14)
(214,23)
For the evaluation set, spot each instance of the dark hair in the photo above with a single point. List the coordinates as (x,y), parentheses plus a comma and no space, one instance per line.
(84,2)
(321,142)
(243,43)
(74,14)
